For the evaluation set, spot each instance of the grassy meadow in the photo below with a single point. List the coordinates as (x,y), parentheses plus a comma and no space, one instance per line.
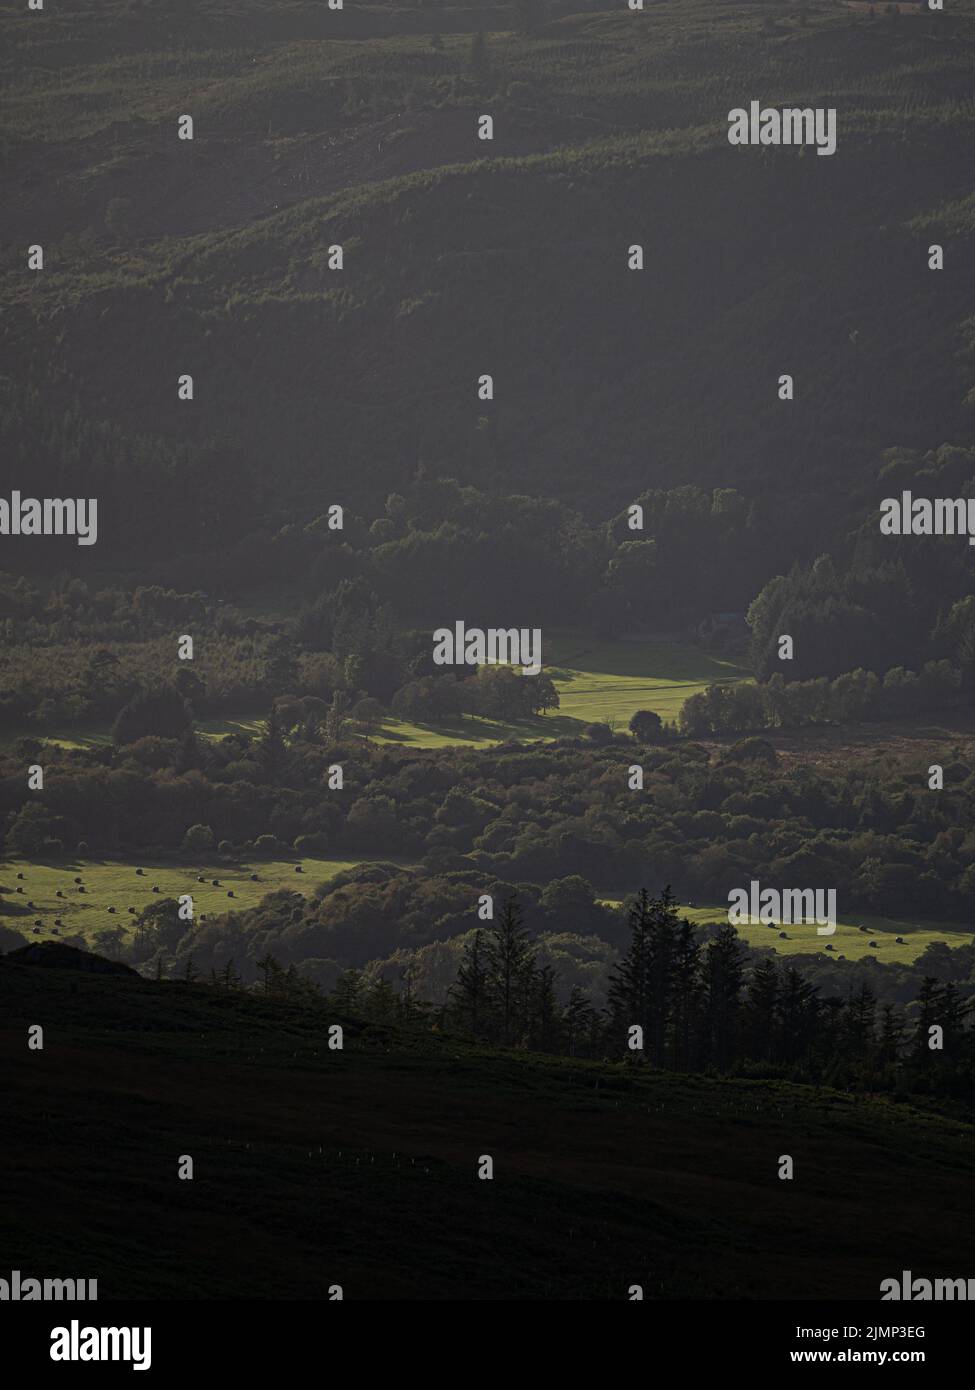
(110,884)
(847,941)
(599,682)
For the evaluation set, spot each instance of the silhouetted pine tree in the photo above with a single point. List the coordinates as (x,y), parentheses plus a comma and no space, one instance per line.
(798,1017)
(760,1011)
(577,1019)
(509,959)
(469,999)
(347,994)
(860,1023)
(545,1025)
(928,1015)
(891,1039)
(629,985)
(723,975)
(685,1021)
(271,972)
(663,948)
(954,1010)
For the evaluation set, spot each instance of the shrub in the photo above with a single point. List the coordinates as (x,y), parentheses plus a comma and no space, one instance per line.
(199,839)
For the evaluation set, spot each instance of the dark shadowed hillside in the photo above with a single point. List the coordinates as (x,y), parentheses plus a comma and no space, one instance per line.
(359,1167)
(463,257)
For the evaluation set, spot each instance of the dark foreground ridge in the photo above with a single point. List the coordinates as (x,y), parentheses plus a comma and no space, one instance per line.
(359,1167)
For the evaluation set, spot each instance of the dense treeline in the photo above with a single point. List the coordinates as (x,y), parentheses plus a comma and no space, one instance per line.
(677,998)
(856,697)
(880,835)
(689,1007)
(438,552)
(878,601)
(885,631)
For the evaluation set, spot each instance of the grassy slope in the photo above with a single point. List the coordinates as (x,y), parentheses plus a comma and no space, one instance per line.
(602,682)
(358,1167)
(109,883)
(847,940)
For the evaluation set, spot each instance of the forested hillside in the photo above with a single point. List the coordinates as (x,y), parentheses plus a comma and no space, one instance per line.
(316,385)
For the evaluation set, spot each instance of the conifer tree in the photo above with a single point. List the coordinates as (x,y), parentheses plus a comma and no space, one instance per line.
(347,995)
(928,1014)
(798,1016)
(662,955)
(545,1019)
(686,1000)
(760,1012)
(891,1038)
(271,972)
(577,1017)
(469,995)
(510,958)
(723,975)
(629,986)
(860,1021)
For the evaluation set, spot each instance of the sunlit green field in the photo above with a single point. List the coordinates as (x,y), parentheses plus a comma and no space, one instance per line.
(108,884)
(607,682)
(847,941)
(598,683)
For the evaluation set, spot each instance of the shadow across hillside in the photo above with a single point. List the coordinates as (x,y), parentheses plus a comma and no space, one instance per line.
(359,1167)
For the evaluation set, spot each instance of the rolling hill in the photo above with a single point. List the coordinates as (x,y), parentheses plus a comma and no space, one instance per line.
(461,257)
(358,1167)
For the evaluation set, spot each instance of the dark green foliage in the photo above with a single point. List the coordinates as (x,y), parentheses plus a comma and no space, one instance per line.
(646,726)
(161,712)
